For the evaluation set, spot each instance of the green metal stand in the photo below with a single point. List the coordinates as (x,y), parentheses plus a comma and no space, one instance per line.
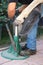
(11,53)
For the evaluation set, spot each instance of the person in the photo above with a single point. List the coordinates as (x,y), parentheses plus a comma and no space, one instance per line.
(31,38)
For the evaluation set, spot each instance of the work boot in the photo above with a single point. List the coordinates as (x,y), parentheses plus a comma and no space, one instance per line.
(27,51)
(24,47)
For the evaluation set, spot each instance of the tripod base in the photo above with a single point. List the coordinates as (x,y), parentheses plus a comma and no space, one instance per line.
(12,55)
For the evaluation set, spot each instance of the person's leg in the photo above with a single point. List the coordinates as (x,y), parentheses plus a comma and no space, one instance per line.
(30,48)
(32,34)
(31,38)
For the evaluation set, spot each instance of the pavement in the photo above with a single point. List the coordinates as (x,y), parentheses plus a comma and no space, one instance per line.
(36,59)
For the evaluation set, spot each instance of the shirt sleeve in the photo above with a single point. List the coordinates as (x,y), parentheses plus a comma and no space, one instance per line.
(13,1)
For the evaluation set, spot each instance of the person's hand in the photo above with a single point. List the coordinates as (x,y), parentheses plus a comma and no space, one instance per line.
(17,22)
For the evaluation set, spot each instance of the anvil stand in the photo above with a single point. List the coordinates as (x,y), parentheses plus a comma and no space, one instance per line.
(13,53)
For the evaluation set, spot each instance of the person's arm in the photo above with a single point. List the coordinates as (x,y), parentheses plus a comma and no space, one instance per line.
(21,8)
(11,9)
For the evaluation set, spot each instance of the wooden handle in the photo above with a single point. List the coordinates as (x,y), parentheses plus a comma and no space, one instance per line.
(28,10)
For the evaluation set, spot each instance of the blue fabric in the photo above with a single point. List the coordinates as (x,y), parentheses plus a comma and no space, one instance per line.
(31,38)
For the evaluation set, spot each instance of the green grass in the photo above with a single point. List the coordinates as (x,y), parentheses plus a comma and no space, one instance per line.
(4,40)
(4,37)
(40,32)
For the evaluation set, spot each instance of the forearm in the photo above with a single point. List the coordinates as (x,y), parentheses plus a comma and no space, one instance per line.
(11,9)
(21,8)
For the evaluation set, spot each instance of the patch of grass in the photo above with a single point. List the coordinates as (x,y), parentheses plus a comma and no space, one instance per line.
(5,40)
(40,32)
(4,37)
